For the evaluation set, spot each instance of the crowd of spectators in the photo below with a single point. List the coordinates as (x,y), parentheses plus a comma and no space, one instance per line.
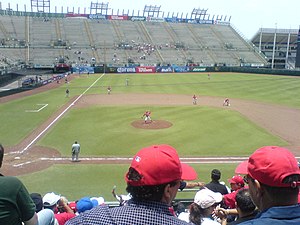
(266,194)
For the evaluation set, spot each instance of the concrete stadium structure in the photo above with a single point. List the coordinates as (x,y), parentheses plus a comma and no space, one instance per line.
(45,39)
(278,45)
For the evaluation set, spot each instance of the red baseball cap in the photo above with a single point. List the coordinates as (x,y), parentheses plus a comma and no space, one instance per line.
(159,164)
(270,165)
(237,179)
(242,168)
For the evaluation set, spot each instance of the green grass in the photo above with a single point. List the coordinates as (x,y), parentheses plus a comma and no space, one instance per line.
(98,180)
(106,130)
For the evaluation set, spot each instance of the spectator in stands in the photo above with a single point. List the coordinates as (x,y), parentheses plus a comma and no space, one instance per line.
(245,209)
(274,179)
(45,216)
(16,205)
(201,210)
(215,185)
(152,180)
(236,183)
(58,204)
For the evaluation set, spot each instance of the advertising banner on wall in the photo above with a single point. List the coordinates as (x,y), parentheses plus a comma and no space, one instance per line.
(126,70)
(164,69)
(97,17)
(83,69)
(145,69)
(180,69)
(137,18)
(197,69)
(116,17)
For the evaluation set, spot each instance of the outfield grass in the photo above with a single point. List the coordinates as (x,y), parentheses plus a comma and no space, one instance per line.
(106,130)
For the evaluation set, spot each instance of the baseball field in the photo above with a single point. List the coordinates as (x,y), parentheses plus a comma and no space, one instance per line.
(39,126)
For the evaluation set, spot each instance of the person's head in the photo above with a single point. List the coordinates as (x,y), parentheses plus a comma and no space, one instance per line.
(236,182)
(1,154)
(84,204)
(215,175)
(50,201)
(244,203)
(273,177)
(155,174)
(76,142)
(204,204)
(38,201)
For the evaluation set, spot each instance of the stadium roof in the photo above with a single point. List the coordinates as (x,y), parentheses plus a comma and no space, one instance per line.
(281,36)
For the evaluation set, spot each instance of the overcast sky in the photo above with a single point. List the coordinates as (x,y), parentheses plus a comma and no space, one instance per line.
(246,16)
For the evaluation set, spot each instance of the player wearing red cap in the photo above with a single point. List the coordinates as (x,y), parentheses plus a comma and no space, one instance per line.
(194,100)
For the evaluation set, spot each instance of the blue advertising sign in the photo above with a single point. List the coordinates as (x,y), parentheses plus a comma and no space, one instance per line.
(164,69)
(180,69)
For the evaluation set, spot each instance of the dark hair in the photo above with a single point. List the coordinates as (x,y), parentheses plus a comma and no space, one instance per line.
(282,194)
(215,174)
(146,192)
(197,213)
(244,201)
(1,154)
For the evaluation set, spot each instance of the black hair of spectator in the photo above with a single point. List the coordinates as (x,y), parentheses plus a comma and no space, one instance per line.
(215,174)
(147,192)
(244,201)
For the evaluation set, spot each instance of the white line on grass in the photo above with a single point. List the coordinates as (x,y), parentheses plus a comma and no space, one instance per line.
(60,115)
(202,160)
(43,106)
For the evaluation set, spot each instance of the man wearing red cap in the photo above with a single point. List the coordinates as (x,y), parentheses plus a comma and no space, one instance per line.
(236,183)
(274,179)
(152,180)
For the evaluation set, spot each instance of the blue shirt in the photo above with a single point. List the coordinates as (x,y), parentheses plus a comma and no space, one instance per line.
(280,215)
(133,213)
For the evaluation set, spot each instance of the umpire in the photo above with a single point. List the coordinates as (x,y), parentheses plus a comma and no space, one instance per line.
(75,151)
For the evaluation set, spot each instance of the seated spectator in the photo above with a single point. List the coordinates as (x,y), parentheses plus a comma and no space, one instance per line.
(45,216)
(59,206)
(214,185)
(274,179)
(236,183)
(201,210)
(152,188)
(245,209)
(16,205)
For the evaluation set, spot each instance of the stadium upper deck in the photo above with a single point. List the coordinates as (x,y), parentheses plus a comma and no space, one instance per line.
(278,45)
(44,39)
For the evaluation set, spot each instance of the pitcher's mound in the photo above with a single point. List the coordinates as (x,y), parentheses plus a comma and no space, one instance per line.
(155,124)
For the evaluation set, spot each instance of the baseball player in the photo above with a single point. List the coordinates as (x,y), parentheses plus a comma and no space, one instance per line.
(226,102)
(146,116)
(194,100)
(108,90)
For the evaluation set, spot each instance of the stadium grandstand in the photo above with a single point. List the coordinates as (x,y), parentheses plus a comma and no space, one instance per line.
(45,39)
(278,45)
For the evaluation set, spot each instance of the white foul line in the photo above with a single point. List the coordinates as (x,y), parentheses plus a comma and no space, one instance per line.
(43,106)
(60,115)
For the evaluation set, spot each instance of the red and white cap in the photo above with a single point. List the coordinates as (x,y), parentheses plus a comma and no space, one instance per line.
(159,164)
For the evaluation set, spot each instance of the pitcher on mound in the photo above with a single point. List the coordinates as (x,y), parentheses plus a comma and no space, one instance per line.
(147,117)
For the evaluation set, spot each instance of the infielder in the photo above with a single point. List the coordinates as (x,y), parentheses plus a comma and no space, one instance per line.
(226,102)
(194,100)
